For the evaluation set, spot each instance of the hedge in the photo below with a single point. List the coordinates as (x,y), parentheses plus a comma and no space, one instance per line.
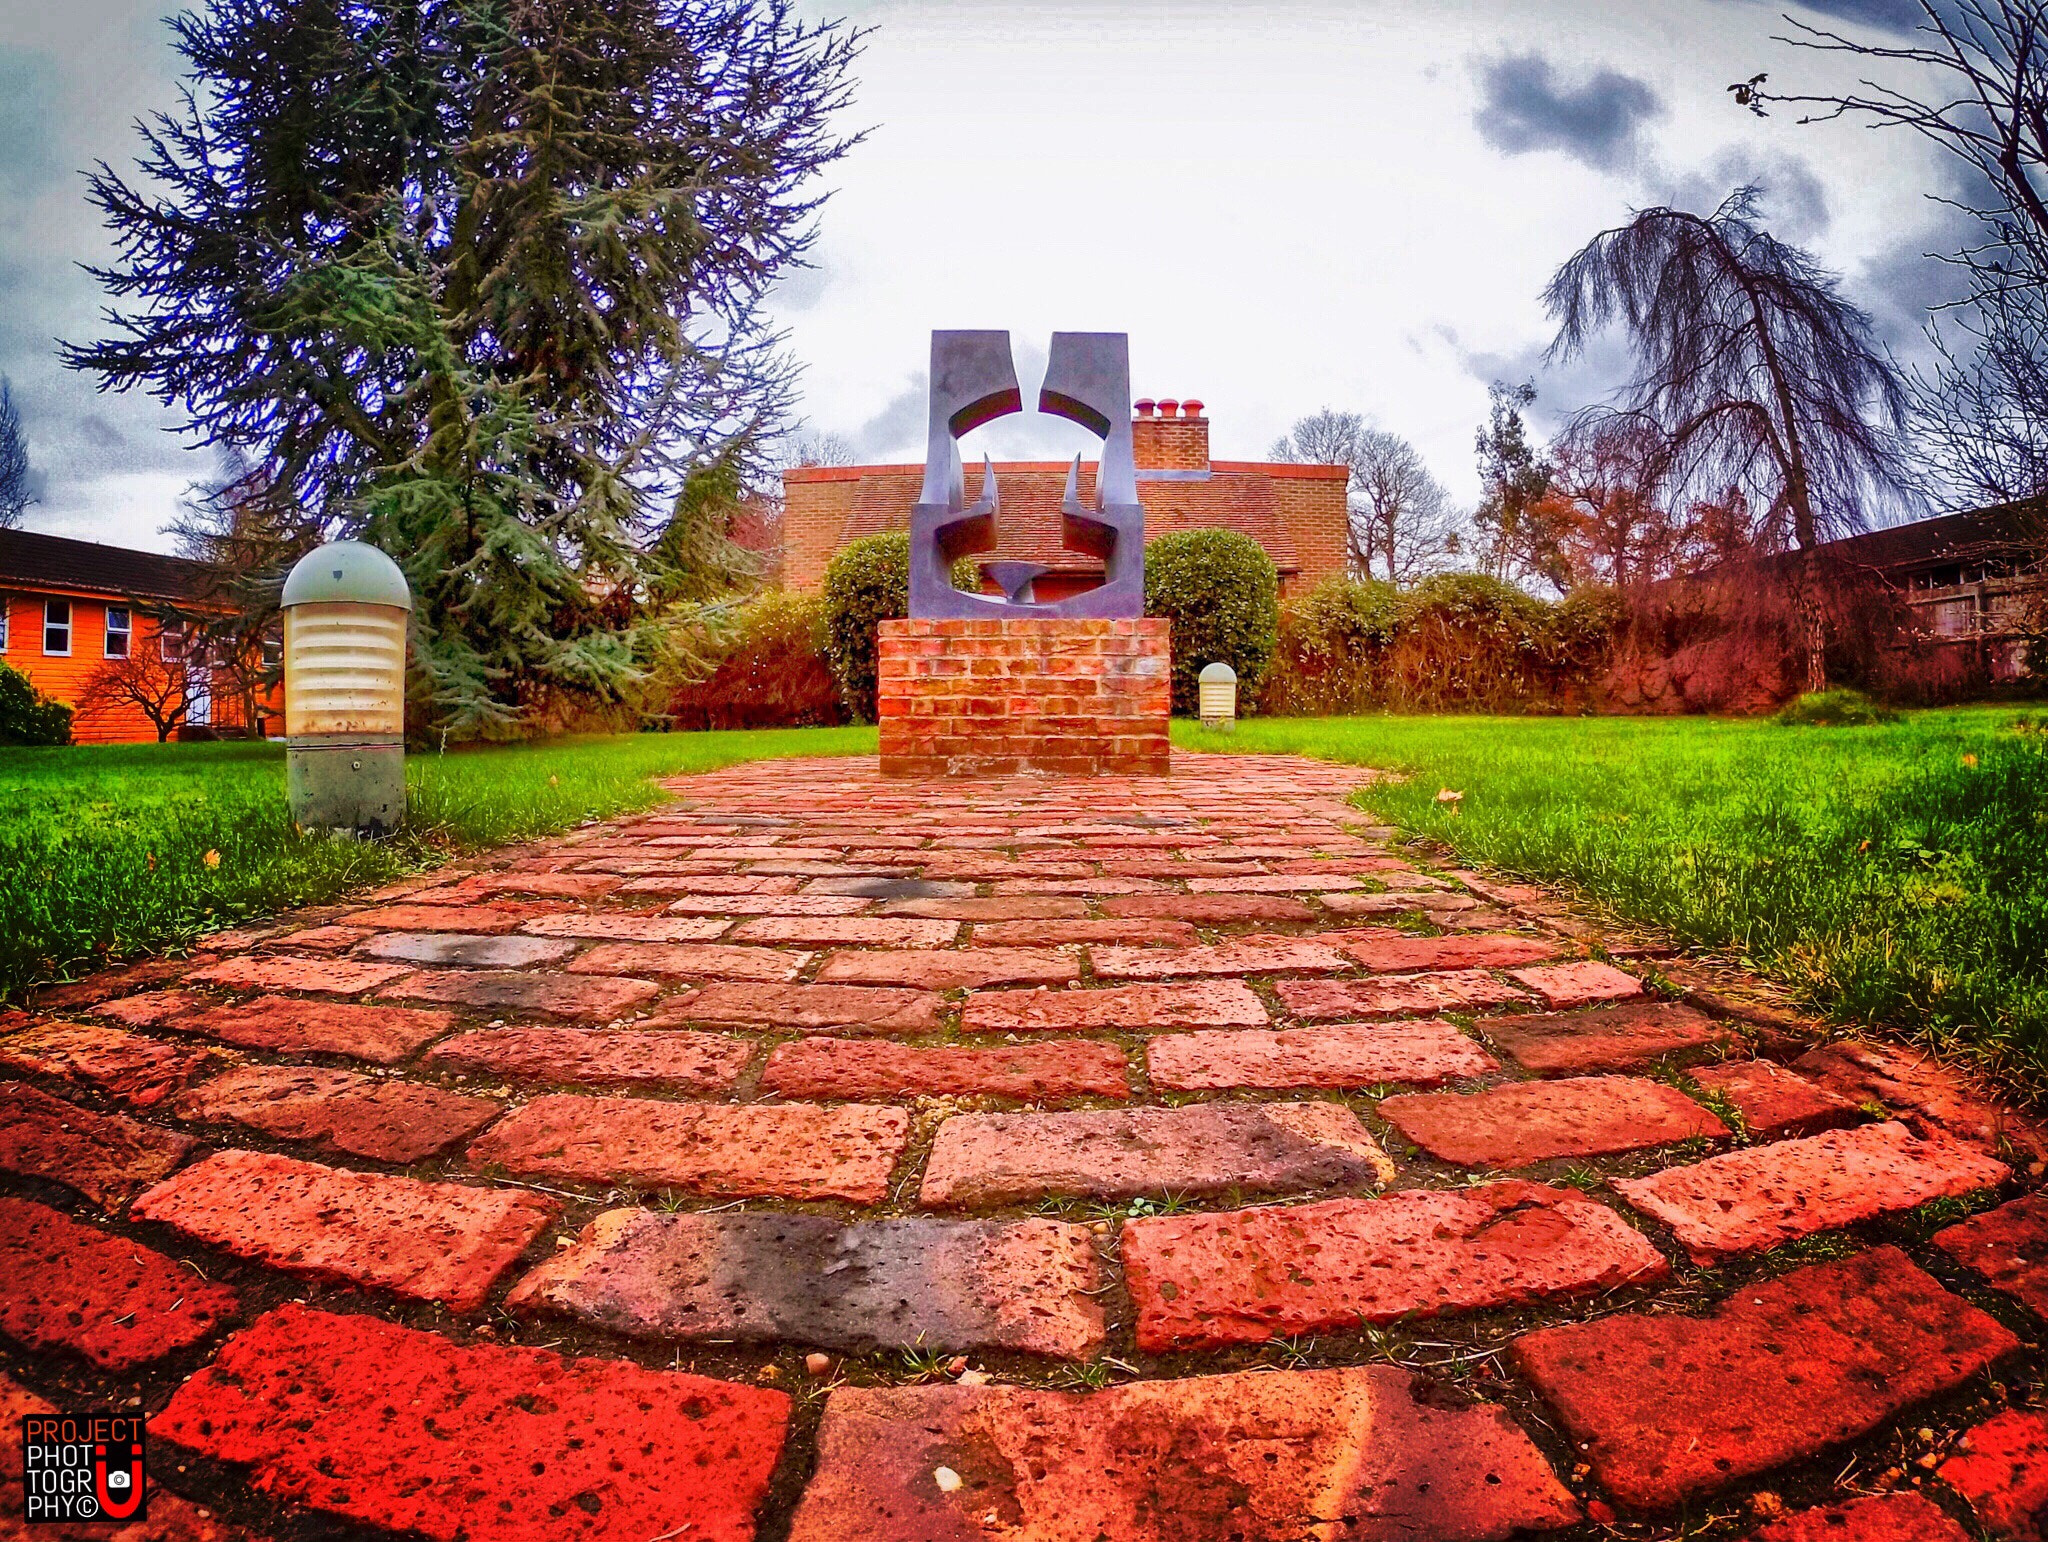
(1222,594)
(27,717)
(867,583)
(773,674)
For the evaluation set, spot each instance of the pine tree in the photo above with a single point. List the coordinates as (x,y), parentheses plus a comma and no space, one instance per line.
(481,281)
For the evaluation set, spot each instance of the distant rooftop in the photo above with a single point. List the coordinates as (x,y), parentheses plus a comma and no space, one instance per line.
(29,560)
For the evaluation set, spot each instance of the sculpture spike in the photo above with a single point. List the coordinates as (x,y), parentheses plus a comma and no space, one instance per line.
(990,494)
(1072,497)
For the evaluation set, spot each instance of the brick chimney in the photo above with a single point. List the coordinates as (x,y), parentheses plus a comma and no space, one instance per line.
(1170,435)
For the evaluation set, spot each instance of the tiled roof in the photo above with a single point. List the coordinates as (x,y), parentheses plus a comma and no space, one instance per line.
(2000,530)
(1028,525)
(31,561)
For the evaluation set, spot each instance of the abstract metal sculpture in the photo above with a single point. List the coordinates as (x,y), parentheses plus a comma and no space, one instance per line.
(974,381)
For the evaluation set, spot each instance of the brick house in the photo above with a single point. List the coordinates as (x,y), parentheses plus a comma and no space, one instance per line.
(1296,512)
(68,607)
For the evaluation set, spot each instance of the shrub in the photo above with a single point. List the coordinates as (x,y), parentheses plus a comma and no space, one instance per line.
(1333,649)
(1834,709)
(774,676)
(1222,594)
(867,583)
(1467,640)
(27,716)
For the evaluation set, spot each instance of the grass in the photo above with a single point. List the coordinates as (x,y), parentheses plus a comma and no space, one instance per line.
(1893,874)
(109,851)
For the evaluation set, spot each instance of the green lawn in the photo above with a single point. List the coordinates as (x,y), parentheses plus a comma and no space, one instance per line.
(112,850)
(1892,875)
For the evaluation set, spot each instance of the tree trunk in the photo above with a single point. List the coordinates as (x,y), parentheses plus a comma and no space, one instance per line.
(1813,623)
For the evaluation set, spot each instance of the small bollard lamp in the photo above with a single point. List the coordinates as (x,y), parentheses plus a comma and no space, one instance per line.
(345,609)
(1217,690)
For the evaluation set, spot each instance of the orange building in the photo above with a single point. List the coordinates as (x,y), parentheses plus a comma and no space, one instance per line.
(71,609)
(1296,512)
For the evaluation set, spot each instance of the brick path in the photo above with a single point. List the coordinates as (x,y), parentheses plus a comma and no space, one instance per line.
(827,1158)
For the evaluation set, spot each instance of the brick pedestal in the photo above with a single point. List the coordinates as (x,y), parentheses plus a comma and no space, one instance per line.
(994,698)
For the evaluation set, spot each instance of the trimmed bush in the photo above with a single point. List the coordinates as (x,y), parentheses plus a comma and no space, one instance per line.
(1222,594)
(775,675)
(1332,654)
(867,583)
(27,717)
(1834,709)
(1469,641)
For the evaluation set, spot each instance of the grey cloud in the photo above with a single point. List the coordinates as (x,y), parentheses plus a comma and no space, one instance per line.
(1795,202)
(1527,106)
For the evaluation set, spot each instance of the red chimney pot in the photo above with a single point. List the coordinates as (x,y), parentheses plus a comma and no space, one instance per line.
(1191,408)
(1169,407)
(1144,405)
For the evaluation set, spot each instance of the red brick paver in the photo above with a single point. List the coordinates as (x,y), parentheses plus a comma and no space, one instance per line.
(554,995)
(1032,1073)
(1263,1458)
(390,1121)
(131,1068)
(360,1418)
(1535,1121)
(1611,1038)
(441,1242)
(2004,1474)
(1579,984)
(1904,1517)
(1211,1004)
(896,1284)
(945,969)
(1774,1101)
(1456,990)
(2009,1247)
(105,1297)
(332,976)
(1251,1275)
(1668,1406)
(382,1035)
(687,1062)
(105,1157)
(1419,1054)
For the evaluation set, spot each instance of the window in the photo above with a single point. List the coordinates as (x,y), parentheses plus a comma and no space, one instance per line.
(57,628)
(4,604)
(118,628)
(170,641)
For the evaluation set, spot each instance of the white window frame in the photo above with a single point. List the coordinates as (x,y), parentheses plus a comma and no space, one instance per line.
(125,632)
(69,621)
(6,607)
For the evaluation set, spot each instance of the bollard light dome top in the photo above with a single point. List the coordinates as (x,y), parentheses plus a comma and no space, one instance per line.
(1216,674)
(349,572)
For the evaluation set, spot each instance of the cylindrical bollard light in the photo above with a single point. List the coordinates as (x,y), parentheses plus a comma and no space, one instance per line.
(345,609)
(1217,690)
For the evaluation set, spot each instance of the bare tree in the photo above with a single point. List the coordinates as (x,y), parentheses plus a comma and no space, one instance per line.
(1758,376)
(809,447)
(1979,91)
(155,679)
(1398,515)
(1606,476)
(15,497)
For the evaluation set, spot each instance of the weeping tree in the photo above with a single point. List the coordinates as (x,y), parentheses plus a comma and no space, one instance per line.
(1760,380)
(481,281)
(15,493)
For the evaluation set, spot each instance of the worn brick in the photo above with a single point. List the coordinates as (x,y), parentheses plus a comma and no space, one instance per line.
(445,1242)
(1386,951)
(556,995)
(1363,905)
(944,969)
(109,983)
(1092,885)
(419,916)
(105,1157)
(1031,1073)
(686,1062)
(323,939)
(481,951)
(2009,1247)
(64,1285)
(1257,1457)
(1053,934)
(381,1034)
(1208,1004)
(355,1417)
(1528,1122)
(1205,1281)
(542,885)
(872,1008)
(1272,883)
(629,926)
(711,883)
(857,931)
(696,960)
(769,905)
(790,1150)
(154,1009)
(1238,956)
(1208,909)
(1022,1286)
(278,972)
(1931,1093)
(1774,1101)
(1758,1198)
(1417,1053)
(129,1067)
(1396,995)
(1901,1517)
(1580,983)
(1667,1407)
(2004,1474)
(889,888)
(1205,1148)
(1604,1038)
(389,1120)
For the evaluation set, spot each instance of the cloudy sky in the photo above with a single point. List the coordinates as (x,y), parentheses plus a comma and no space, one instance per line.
(1287,204)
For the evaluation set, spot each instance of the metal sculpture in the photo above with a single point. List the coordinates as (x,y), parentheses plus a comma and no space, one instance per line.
(974,381)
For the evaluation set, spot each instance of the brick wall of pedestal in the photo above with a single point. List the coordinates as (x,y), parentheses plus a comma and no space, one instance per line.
(997,698)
